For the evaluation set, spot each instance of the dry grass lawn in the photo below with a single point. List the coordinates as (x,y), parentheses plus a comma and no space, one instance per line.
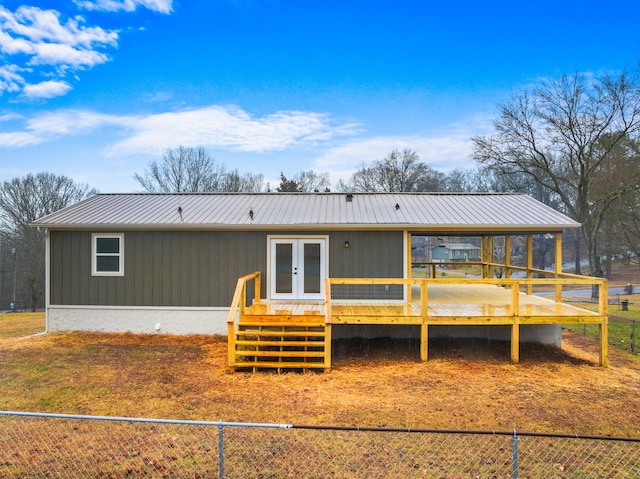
(466,384)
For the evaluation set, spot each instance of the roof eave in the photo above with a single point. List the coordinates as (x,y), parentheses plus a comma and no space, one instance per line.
(451,228)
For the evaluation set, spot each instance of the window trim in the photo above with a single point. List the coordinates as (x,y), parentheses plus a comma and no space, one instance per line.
(94,254)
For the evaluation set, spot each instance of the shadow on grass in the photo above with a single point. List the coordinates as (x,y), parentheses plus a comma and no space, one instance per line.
(464,349)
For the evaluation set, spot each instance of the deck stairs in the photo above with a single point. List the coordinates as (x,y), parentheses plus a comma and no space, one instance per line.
(281,343)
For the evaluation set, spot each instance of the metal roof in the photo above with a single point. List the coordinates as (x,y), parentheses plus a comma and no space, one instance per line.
(457,246)
(454,212)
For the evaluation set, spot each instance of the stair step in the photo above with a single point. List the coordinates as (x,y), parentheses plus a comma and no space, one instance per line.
(282,334)
(280,324)
(284,344)
(277,365)
(302,344)
(281,354)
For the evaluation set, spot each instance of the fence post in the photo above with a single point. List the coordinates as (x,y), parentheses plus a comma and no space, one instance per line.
(633,335)
(514,455)
(221,450)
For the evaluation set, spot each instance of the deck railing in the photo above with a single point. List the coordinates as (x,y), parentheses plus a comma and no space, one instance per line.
(516,285)
(487,270)
(511,312)
(403,307)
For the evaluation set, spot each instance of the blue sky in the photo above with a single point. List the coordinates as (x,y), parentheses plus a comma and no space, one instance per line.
(96,89)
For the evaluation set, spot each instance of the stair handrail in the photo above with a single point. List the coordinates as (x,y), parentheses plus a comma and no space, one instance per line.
(239,302)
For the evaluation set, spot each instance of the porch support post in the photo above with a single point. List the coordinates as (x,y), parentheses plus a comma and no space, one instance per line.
(515,342)
(604,324)
(409,266)
(231,344)
(515,327)
(327,324)
(483,256)
(489,256)
(424,328)
(507,256)
(604,343)
(558,260)
(327,347)
(529,262)
(424,341)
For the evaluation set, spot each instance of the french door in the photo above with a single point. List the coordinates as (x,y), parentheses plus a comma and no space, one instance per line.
(297,268)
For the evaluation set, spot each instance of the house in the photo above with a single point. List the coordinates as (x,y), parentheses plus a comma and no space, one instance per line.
(211,263)
(455,252)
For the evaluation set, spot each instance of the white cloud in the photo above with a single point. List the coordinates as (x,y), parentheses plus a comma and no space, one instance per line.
(231,128)
(34,26)
(212,127)
(41,38)
(53,126)
(46,89)
(161,6)
(10,79)
(60,54)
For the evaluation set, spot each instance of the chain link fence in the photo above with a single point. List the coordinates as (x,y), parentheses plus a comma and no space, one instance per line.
(67,446)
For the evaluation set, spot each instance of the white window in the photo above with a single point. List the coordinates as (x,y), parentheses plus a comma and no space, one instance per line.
(108,254)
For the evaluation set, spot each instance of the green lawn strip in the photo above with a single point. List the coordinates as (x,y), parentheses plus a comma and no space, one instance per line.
(624,326)
(17,325)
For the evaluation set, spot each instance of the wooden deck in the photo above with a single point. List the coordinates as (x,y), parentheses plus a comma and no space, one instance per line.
(448,304)
(427,302)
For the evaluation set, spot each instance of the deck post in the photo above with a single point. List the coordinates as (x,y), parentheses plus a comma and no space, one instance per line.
(604,343)
(327,324)
(231,344)
(424,328)
(489,257)
(409,266)
(424,341)
(515,342)
(483,256)
(529,263)
(558,260)
(507,256)
(243,297)
(515,299)
(603,294)
(515,327)
(327,347)
(256,287)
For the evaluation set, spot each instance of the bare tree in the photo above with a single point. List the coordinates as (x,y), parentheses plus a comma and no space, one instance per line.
(459,180)
(183,170)
(309,181)
(621,225)
(399,171)
(304,182)
(629,227)
(22,201)
(247,183)
(364,179)
(562,136)
(193,170)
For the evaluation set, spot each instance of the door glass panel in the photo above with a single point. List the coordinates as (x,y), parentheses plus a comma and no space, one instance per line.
(284,265)
(312,268)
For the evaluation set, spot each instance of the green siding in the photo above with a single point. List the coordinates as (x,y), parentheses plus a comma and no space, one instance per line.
(200,268)
(371,254)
